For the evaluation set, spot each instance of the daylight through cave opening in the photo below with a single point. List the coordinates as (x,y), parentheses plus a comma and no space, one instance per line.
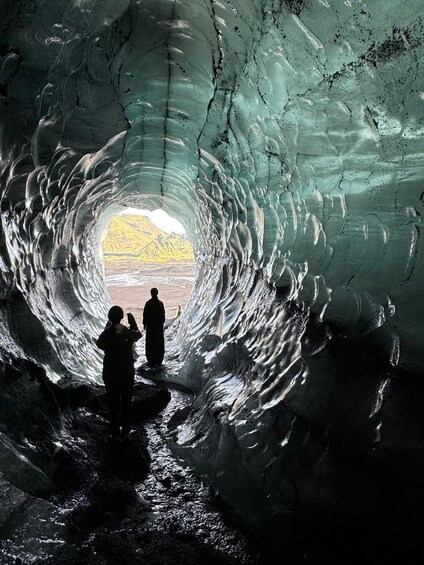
(144,249)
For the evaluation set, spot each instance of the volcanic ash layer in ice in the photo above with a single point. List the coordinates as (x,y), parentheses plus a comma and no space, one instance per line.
(287,137)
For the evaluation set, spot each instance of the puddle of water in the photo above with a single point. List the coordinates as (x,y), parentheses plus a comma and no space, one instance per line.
(138,278)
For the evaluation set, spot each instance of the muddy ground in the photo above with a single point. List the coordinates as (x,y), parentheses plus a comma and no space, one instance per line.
(129,285)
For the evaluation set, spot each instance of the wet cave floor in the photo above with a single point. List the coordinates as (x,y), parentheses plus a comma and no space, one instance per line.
(116,502)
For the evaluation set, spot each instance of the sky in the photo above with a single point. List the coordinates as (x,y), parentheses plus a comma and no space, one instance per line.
(159,218)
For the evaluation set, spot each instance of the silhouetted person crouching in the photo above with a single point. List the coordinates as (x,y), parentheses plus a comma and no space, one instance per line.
(153,320)
(117,340)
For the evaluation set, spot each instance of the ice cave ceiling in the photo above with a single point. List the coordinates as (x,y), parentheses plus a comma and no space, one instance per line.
(285,135)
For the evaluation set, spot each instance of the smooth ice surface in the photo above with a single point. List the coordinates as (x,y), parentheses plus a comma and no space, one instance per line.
(287,137)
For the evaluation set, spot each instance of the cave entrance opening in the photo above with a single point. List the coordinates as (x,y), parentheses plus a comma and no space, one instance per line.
(144,249)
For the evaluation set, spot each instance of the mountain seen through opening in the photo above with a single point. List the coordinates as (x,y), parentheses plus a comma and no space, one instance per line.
(140,253)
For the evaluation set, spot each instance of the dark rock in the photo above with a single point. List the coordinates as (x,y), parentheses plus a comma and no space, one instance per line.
(178,417)
(106,504)
(71,471)
(112,494)
(23,387)
(148,401)
(127,460)
(86,396)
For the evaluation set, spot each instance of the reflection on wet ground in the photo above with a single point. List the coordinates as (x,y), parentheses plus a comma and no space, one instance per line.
(115,503)
(182,505)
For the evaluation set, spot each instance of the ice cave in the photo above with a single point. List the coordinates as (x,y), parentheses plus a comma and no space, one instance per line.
(286,136)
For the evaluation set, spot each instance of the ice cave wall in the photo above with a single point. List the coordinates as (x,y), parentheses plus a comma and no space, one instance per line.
(286,136)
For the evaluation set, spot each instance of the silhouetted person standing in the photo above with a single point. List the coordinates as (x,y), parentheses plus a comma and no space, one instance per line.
(153,320)
(117,340)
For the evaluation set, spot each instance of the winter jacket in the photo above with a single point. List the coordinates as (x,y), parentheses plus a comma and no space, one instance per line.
(118,361)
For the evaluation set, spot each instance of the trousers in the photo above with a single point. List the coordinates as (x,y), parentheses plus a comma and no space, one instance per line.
(119,396)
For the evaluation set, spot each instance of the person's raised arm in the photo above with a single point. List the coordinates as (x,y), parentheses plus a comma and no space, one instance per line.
(134,332)
(131,321)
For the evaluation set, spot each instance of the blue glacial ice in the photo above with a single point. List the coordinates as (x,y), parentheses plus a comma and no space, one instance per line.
(287,137)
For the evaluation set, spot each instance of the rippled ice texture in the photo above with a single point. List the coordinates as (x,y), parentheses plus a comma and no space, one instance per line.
(287,137)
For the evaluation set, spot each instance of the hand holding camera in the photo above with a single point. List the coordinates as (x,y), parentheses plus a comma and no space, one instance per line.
(131,321)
